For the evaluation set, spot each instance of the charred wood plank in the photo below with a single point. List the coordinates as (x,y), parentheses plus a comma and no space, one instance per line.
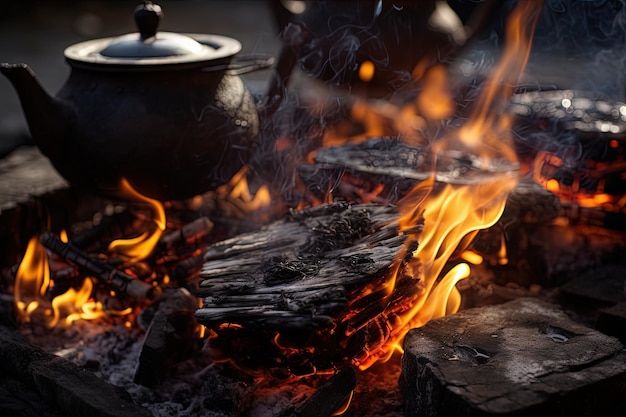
(300,288)
(398,167)
(356,168)
(72,390)
(297,275)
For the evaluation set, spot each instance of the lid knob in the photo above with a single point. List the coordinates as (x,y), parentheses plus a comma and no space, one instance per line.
(147,17)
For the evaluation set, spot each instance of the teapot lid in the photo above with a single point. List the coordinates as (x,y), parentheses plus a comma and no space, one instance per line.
(149,49)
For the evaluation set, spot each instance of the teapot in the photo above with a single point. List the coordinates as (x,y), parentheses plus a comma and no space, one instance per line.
(165,111)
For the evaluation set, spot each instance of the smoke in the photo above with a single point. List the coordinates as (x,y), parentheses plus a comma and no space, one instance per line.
(577,67)
(579,46)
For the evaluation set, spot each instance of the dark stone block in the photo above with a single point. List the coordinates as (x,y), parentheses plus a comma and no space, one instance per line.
(612,321)
(522,358)
(604,285)
(68,389)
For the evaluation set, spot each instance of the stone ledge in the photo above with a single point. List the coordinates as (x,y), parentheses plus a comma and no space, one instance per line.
(522,358)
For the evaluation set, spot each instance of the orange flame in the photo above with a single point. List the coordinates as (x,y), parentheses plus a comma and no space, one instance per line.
(237,188)
(140,247)
(451,212)
(32,282)
(435,101)
(488,121)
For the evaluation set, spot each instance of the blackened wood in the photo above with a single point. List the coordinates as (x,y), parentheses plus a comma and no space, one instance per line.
(122,283)
(283,275)
(362,167)
(397,167)
(188,234)
(111,227)
(72,390)
(19,400)
(171,337)
(522,358)
(317,280)
(331,396)
(187,269)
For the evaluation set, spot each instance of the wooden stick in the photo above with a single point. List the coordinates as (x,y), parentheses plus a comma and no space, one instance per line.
(122,283)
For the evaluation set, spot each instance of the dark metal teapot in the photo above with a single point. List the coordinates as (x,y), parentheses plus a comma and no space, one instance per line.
(162,110)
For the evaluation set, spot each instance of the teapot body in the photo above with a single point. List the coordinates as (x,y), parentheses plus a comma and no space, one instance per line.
(172,134)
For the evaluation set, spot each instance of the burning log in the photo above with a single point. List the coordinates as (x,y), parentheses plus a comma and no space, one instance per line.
(73,390)
(189,234)
(109,228)
(122,283)
(386,168)
(308,290)
(366,166)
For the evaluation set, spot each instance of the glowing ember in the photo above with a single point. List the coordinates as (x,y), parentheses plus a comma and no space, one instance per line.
(547,164)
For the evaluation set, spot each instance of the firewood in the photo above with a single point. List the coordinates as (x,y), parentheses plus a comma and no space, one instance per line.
(123,284)
(109,228)
(368,165)
(392,168)
(187,235)
(271,295)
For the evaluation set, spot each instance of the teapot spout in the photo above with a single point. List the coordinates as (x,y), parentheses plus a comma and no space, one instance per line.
(48,118)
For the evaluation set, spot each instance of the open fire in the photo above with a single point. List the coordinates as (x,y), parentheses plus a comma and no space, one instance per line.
(280,298)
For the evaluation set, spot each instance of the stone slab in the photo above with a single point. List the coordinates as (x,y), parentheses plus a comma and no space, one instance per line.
(522,358)
(612,321)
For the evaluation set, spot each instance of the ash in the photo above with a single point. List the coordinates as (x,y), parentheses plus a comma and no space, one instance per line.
(111,351)
(201,388)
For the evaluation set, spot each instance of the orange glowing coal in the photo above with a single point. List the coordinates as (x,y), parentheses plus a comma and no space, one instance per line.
(546,164)
(32,282)
(454,209)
